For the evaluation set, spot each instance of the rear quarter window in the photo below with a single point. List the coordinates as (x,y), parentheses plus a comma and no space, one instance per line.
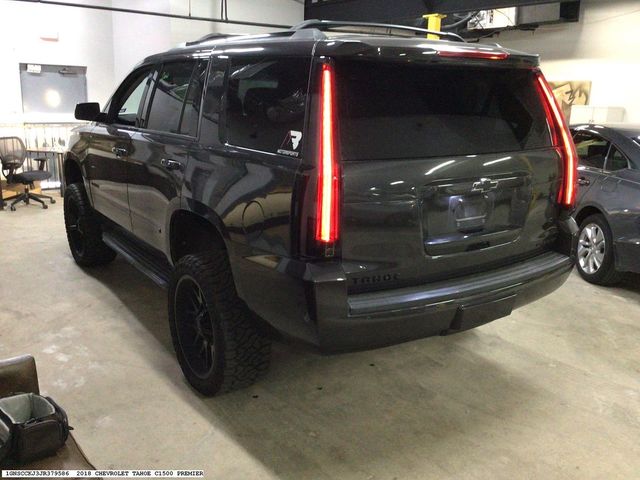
(389,111)
(265,104)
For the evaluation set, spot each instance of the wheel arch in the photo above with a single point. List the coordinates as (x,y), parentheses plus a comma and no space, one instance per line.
(72,173)
(587,211)
(610,274)
(191,232)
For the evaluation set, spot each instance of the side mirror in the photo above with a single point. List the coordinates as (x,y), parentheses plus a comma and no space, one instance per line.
(89,111)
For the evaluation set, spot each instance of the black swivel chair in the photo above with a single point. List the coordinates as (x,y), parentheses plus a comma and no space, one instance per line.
(12,156)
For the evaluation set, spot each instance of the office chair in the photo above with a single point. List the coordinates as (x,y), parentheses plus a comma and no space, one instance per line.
(12,156)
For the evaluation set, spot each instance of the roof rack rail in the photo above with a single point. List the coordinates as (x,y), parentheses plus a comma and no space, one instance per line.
(221,36)
(211,36)
(336,24)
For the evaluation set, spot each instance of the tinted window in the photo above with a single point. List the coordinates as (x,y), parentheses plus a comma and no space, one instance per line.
(127,103)
(404,111)
(191,115)
(212,104)
(168,97)
(266,104)
(616,161)
(591,148)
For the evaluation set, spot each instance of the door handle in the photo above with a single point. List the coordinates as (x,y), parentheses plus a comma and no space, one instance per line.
(583,181)
(119,151)
(170,164)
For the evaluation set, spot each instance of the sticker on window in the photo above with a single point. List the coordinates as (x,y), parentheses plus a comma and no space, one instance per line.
(291,143)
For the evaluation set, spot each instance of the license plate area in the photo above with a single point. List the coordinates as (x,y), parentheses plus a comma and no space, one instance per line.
(469,213)
(472,214)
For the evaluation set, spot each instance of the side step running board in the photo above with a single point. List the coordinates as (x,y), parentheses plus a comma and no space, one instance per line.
(152,265)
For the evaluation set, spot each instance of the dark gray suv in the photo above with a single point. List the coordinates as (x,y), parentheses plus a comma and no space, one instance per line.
(349,186)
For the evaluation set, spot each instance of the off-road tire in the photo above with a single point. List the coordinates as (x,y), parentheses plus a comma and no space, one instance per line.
(607,273)
(240,353)
(84,229)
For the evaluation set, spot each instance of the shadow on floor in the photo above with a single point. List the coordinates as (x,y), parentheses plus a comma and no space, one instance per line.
(631,282)
(629,285)
(314,416)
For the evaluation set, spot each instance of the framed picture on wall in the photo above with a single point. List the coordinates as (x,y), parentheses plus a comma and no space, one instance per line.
(571,92)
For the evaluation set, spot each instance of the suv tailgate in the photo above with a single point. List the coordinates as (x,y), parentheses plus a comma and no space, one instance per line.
(446,170)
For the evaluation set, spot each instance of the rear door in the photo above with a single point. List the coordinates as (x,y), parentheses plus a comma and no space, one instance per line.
(447,169)
(161,149)
(111,144)
(619,196)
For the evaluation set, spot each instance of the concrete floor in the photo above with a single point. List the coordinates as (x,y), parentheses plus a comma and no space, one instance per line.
(553,391)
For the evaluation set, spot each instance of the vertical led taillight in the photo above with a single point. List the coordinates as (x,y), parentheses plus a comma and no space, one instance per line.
(328,201)
(561,137)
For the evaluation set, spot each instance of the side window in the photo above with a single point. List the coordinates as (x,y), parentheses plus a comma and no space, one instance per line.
(591,149)
(127,102)
(265,104)
(616,160)
(212,105)
(191,115)
(169,96)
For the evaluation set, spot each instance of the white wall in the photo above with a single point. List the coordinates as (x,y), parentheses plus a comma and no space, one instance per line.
(138,36)
(279,12)
(604,47)
(110,44)
(84,39)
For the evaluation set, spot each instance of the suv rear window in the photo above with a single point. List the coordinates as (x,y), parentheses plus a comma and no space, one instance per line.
(266,101)
(392,111)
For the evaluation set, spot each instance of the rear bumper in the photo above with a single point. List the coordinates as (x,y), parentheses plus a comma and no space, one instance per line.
(388,317)
(309,301)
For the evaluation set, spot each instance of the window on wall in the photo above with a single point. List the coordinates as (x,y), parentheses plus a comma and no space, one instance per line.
(169,96)
(265,105)
(52,88)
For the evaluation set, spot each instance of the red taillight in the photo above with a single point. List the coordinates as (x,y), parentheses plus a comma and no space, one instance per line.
(562,139)
(327,206)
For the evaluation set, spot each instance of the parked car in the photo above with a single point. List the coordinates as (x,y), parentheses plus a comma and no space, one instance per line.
(349,190)
(608,207)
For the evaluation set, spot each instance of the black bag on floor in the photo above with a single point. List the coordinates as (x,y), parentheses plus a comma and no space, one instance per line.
(31,427)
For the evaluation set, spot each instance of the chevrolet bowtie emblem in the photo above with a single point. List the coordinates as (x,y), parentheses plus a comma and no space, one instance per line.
(484,185)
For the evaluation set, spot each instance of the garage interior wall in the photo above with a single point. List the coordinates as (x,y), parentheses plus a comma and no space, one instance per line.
(85,38)
(601,47)
(110,44)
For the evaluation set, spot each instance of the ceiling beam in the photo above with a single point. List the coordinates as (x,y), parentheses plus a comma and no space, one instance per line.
(455,6)
(386,10)
(154,13)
